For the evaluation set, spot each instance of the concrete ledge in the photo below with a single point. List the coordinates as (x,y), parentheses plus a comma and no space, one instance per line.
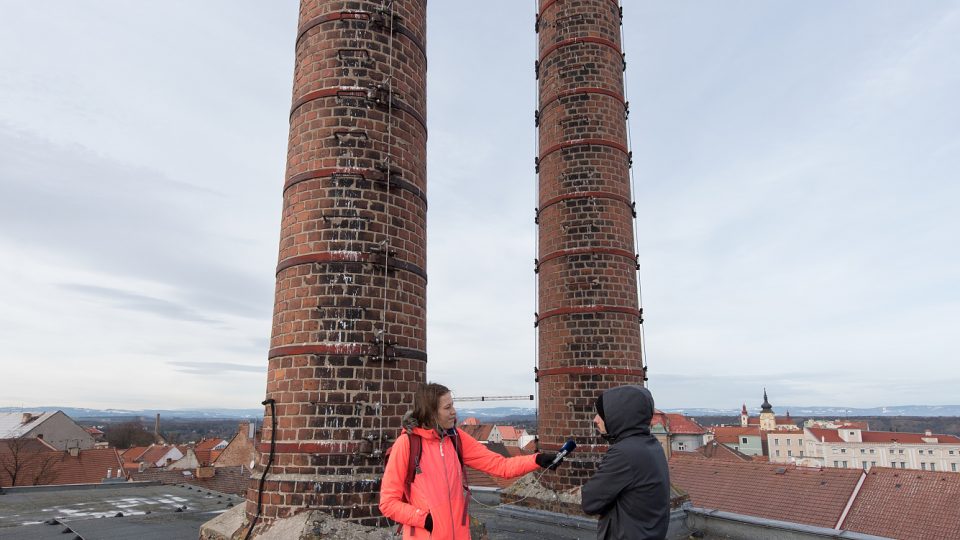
(78,487)
(720,524)
(544,516)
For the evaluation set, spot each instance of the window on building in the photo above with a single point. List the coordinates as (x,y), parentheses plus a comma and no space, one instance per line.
(901,450)
(891,450)
(843,450)
(681,446)
(865,465)
(953,467)
(789,453)
(801,453)
(873,463)
(873,451)
(776,442)
(951,452)
(933,466)
(844,464)
(743,440)
(923,466)
(788,442)
(863,450)
(836,463)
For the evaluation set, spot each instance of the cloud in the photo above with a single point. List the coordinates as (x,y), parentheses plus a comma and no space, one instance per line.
(138,302)
(216,368)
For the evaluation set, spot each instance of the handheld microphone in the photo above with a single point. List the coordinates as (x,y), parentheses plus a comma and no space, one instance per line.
(564,450)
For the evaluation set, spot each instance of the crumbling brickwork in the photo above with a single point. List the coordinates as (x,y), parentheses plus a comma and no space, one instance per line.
(588,314)
(348,343)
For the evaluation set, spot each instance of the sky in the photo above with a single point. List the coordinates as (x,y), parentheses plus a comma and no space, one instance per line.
(795,169)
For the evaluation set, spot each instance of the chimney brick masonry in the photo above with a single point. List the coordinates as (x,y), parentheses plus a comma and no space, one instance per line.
(348,344)
(589,319)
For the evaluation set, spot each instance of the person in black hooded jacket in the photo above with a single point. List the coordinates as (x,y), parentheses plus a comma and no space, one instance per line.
(631,488)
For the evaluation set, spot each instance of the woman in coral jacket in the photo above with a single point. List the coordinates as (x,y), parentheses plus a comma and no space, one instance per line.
(436,505)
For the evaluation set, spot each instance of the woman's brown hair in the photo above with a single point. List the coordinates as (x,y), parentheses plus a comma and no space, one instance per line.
(425,404)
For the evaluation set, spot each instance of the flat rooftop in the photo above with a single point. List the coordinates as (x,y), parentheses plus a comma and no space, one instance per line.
(149,511)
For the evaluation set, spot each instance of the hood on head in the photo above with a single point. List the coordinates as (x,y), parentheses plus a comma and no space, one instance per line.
(626,410)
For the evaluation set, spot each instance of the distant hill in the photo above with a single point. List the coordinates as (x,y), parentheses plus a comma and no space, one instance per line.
(510,412)
(834,412)
(75,412)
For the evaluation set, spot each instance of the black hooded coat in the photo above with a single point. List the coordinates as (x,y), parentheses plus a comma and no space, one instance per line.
(631,488)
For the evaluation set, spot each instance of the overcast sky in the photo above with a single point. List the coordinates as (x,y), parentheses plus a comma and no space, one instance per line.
(796,171)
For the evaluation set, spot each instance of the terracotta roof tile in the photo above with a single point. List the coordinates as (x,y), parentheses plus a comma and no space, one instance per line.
(233,480)
(133,453)
(906,438)
(508,433)
(54,467)
(907,504)
(681,425)
(731,434)
(825,435)
(480,432)
(782,492)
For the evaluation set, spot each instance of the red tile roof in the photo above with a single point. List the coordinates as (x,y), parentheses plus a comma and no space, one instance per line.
(906,438)
(716,450)
(43,466)
(907,504)
(508,433)
(477,478)
(825,435)
(781,492)
(471,421)
(232,480)
(156,453)
(681,425)
(480,432)
(133,453)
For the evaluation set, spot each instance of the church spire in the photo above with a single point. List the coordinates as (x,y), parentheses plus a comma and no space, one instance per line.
(766,403)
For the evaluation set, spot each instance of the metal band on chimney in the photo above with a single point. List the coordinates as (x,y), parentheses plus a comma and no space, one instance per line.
(365,174)
(586,195)
(367,94)
(577,40)
(582,91)
(346,349)
(584,142)
(350,257)
(587,251)
(585,310)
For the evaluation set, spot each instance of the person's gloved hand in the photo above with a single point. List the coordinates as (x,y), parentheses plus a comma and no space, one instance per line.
(544,459)
(428,524)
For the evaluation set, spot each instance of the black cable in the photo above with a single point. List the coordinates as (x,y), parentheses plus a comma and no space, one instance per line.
(273,446)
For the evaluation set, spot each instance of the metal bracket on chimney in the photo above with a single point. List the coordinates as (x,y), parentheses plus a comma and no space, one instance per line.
(384,18)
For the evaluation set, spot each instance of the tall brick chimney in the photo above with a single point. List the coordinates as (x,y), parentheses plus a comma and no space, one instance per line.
(348,345)
(588,315)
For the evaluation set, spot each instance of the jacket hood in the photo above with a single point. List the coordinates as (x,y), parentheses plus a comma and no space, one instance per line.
(626,411)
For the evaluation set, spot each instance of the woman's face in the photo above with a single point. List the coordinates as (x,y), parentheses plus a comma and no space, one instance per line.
(446,414)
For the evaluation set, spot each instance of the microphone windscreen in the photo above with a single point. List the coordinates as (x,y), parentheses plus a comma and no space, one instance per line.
(568,446)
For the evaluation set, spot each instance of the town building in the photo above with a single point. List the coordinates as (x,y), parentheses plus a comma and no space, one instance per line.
(854,448)
(767,500)
(35,462)
(55,428)
(747,440)
(678,433)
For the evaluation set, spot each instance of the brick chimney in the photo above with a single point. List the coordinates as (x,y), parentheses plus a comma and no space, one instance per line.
(588,315)
(348,344)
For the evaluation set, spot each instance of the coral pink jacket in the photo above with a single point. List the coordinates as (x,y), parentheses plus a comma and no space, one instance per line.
(440,489)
